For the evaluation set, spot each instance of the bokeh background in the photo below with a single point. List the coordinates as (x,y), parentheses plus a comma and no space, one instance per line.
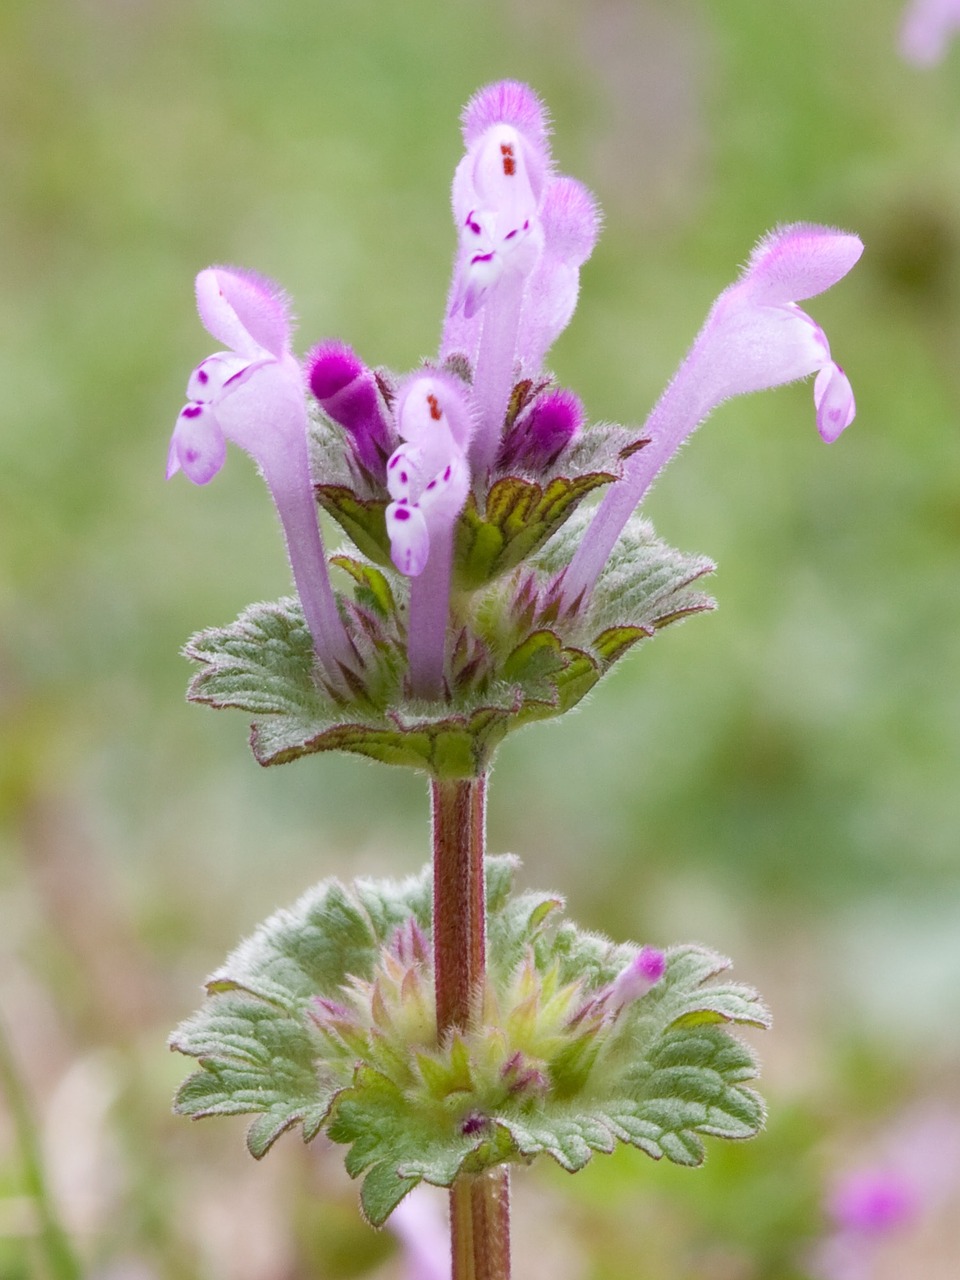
(778,780)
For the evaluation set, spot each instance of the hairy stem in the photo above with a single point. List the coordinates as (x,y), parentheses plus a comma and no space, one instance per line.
(479,1205)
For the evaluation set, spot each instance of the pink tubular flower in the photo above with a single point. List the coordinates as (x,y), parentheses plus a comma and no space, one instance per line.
(754,338)
(428,477)
(926,30)
(253,395)
(524,234)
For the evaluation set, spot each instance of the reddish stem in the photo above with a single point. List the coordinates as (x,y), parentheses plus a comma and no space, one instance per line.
(479,1204)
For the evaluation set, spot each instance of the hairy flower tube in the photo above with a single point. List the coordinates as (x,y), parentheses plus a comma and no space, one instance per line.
(253,395)
(755,338)
(926,30)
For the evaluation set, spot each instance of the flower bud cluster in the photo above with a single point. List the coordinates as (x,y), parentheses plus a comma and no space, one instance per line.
(535,1036)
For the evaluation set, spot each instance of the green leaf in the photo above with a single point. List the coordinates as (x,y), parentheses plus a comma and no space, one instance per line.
(254,1039)
(363,520)
(661,1075)
(383,1189)
(263,662)
(373,587)
(519,517)
(645,585)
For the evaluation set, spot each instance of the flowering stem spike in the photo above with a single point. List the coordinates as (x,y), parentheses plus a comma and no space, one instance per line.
(464,475)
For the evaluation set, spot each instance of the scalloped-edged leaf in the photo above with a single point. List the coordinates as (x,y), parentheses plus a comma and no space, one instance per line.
(263,663)
(253,1037)
(646,584)
(689,1087)
(454,746)
(664,1074)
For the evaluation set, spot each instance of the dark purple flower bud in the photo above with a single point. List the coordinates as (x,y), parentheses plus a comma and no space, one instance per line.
(348,393)
(542,432)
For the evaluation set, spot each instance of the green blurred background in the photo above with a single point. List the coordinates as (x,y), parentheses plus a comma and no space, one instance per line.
(777,780)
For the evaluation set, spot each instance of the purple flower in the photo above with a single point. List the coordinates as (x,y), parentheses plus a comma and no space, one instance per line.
(524,234)
(253,394)
(874,1200)
(926,30)
(754,338)
(916,1166)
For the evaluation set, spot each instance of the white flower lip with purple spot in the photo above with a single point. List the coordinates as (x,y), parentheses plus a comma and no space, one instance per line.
(428,476)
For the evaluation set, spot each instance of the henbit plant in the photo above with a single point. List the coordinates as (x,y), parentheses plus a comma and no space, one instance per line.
(446,1027)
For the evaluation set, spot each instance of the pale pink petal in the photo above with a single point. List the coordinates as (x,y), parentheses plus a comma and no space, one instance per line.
(570,220)
(797,262)
(246,312)
(433,411)
(506,102)
(927,28)
(420,1223)
(405,475)
(754,338)
(211,375)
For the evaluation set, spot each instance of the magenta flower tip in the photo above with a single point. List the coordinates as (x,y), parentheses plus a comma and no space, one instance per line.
(506,102)
(540,435)
(246,312)
(799,261)
(651,964)
(331,366)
